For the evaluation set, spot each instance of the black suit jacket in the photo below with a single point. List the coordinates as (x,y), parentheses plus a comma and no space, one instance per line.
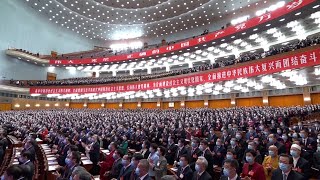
(186,174)
(183,151)
(277,175)
(32,151)
(204,176)
(209,158)
(115,169)
(226,178)
(28,170)
(125,173)
(95,153)
(171,152)
(304,165)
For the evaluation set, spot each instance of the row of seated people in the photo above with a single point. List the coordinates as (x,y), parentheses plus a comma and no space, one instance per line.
(267,134)
(130,78)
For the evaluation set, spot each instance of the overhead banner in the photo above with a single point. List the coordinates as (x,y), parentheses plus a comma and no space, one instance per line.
(268,66)
(289,7)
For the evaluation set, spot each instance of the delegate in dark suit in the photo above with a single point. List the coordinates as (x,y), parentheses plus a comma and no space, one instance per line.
(28,170)
(30,150)
(95,153)
(185,174)
(115,170)
(171,152)
(125,173)
(204,176)
(180,152)
(303,167)
(277,175)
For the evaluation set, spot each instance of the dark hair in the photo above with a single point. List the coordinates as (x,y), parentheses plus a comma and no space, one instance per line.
(76,155)
(163,150)
(137,156)
(253,152)
(197,140)
(73,148)
(185,157)
(232,151)
(15,171)
(119,151)
(84,176)
(27,155)
(287,156)
(233,163)
(205,142)
(147,143)
(154,146)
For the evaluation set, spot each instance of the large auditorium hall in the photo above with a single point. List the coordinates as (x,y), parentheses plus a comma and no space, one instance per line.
(160,90)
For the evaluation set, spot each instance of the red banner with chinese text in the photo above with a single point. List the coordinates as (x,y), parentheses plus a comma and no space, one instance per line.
(289,7)
(273,65)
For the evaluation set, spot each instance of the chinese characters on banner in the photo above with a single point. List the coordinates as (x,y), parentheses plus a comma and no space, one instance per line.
(299,60)
(289,7)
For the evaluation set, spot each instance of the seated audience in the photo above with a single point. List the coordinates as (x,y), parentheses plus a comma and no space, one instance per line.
(300,164)
(285,172)
(252,170)
(201,173)
(271,162)
(230,167)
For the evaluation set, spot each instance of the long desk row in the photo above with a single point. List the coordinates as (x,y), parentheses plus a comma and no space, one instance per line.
(51,162)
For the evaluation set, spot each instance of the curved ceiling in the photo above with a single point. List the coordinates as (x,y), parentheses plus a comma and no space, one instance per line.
(119,19)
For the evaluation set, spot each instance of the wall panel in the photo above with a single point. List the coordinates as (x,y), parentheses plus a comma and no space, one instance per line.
(112,105)
(315,98)
(76,105)
(94,105)
(248,102)
(194,104)
(283,101)
(221,103)
(149,105)
(130,105)
(5,106)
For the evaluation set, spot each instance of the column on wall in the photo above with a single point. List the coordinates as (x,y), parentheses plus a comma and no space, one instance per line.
(205,101)
(265,98)
(139,103)
(159,103)
(233,99)
(306,95)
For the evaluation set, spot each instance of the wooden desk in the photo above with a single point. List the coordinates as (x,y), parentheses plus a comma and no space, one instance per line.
(15,142)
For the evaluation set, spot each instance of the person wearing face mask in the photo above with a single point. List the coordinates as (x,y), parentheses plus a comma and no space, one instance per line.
(240,140)
(212,137)
(252,170)
(94,153)
(161,167)
(117,165)
(195,151)
(230,167)
(127,168)
(134,163)
(250,134)
(124,145)
(145,149)
(61,157)
(200,170)
(285,172)
(28,147)
(300,164)
(153,158)
(273,141)
(106,165)
(72,162)
(171,150)
(206,153)
(141,172)
(286,142)
(225,138)
(13,172)
(316,159)
(184,171)
(271,162)
(27,166)
(219,153)
(181,149)
(299,127)
(307,142)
